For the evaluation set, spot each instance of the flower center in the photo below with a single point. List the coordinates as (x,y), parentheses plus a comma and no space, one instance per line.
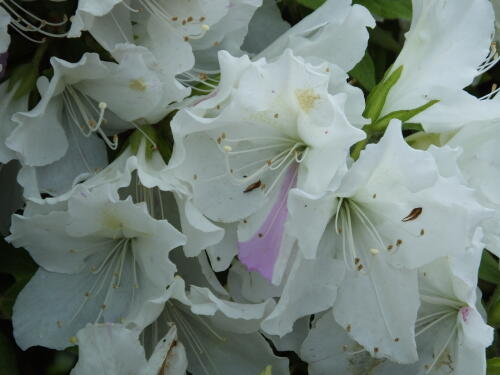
(244,162)
(306,98)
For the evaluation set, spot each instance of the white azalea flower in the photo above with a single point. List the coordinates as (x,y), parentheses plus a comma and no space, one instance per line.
(268,128)
(113,349)
(192,29)
(447,46)
(451,334)
(81,101)
(389,223)
(143,175)
(101,259)
(220,336)
(335,32)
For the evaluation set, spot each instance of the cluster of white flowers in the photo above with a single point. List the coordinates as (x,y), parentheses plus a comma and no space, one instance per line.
(259,200)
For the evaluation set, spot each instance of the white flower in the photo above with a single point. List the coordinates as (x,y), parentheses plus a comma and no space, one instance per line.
(268,128)
(140,172)
(451,334)
(198,27)
(445,48)
(335,32)
(389,223)
(101,259)
(113,349)
(82,100)
(220,336)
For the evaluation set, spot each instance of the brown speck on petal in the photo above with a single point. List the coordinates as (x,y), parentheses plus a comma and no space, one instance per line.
(413,214)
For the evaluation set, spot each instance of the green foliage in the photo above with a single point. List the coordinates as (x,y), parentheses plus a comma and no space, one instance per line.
(23,77)
(489,270)
(389,9)
(18,264)
(267,371)
(493,366)
(403,116)
(377,97)
(8,363)
(364,72)
(311,4)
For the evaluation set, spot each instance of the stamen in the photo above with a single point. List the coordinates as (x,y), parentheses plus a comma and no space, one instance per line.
(183,27)
(20,21)
(490,60)
(436,358)
(433,323)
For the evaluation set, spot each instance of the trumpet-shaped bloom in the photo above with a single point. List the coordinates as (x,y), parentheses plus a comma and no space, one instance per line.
(80,102)
(195,30)
(268,128)
(451,333)
(447,46)
(113,349)
(393,199)
(101,259)
(220,336)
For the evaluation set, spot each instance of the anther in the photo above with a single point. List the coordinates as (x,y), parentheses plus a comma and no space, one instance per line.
(374,251)
(73,340)
(228,148)
(205,27)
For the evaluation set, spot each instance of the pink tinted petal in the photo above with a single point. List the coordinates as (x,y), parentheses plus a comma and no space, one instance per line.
(465,311)
(261,251)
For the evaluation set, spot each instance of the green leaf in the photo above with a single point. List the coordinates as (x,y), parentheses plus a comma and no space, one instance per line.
(493,366)
(493,308)
(384,39)
(489,269)
(389,9)
(8,363)
(377,97)
(267,371)
(18,264)
(364,72)
(23,77)
(311,4)
(403,115)
(413,126)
